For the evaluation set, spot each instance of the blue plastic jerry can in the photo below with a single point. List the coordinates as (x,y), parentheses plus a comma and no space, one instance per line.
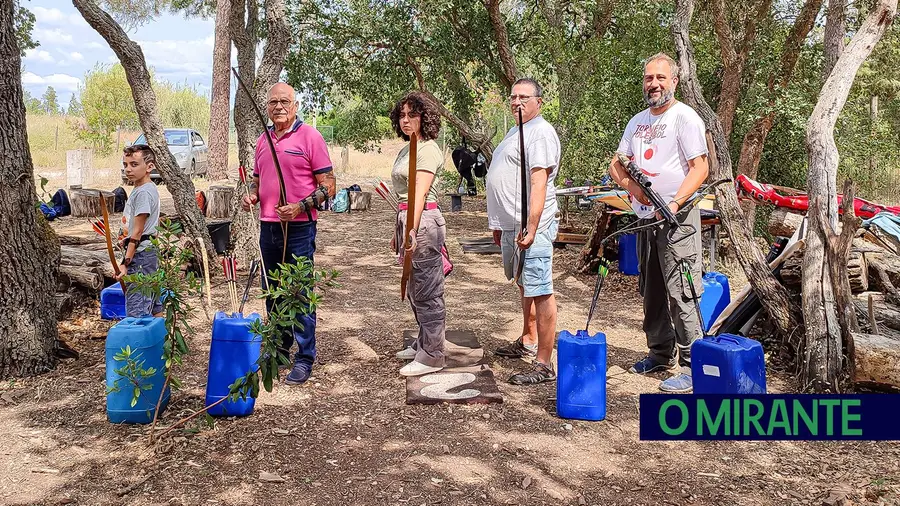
(233,353)
(145,337)
(715,298)
(728,364)
(581,376)
(628,257)
(112,302)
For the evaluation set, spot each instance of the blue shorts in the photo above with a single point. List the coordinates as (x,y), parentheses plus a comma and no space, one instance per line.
(537,274)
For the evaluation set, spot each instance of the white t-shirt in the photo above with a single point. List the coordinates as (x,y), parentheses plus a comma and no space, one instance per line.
(503,183)
(661,146)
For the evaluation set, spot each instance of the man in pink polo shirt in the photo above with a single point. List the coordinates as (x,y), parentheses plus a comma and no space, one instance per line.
(308,182)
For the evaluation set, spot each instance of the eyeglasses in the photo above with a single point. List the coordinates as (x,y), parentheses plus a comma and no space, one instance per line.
(522,98)
(285,103)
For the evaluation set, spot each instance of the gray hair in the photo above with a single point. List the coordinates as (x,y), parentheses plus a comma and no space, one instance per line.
(538,90)
(673,65)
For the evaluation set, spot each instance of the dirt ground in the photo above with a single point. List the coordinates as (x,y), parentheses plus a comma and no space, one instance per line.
(347,436)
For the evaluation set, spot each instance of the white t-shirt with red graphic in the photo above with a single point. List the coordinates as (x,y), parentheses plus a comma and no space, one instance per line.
(662,146)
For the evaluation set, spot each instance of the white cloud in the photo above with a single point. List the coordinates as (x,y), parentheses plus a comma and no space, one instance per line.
(61,82)
(94,45)
(38,55)
(54,16)
(52,37)
(180,58)
(77,56)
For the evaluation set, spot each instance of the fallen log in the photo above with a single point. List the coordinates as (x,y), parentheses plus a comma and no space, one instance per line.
(877,359)
(88,278)
(885,314)
(74,240)
(78,257)
(783,222)
(64,305)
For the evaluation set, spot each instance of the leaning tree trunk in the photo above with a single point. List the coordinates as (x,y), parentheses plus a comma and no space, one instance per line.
(826,290)
(132,58)
(773,296)
(221,84)
(29,250)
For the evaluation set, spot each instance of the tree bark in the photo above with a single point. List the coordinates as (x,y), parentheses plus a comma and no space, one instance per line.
(734,56)
(132,58)
(29,250)
(829,326)
(220,201)
(88,278)
(835,29)
(772,295)
(590,253)
(877,360)
(85,203)
(221,91)
(501,38)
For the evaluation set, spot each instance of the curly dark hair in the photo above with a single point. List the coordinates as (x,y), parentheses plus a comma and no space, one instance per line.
(418,103)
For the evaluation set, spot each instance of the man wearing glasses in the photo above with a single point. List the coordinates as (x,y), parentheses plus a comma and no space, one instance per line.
(503,185)
(308,182)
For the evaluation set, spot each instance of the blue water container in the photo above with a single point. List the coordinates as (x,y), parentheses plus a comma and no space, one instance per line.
(716,297)
(728,364)
(112,302)
(628,257)
(581,376)
(232,354)
(146,336)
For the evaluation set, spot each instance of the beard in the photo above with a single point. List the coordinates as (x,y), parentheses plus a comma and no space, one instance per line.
(663,98)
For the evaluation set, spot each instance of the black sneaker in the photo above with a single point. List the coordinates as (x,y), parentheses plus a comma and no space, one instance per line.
(539,373)
(516,349)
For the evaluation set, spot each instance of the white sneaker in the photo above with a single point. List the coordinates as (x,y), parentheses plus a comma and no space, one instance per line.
(417,369)
(408,354)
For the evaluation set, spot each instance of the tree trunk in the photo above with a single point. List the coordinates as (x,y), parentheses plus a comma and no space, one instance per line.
(783,222)
(221,91)
(501,38)
(755,138)
(773,297)
(29,251)
(835,29)
(220,202)
(132,58)
(825,260)
(244,27)
(734,57)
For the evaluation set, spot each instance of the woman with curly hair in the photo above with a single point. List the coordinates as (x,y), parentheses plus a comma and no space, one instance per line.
(415,114)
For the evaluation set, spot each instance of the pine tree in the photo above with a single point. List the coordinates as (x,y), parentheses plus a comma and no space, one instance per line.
(75,108)
(49,102)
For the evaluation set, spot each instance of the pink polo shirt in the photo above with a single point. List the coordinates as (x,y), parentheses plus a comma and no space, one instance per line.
(302,153)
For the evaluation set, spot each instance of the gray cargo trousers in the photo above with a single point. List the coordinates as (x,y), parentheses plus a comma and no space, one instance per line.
(425,289)
(670,315)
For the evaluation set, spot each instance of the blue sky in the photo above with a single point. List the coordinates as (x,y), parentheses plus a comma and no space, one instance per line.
(179,50)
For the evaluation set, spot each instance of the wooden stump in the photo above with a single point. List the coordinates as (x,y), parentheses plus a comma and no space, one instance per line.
(86,204)
(360,201)
(219,201)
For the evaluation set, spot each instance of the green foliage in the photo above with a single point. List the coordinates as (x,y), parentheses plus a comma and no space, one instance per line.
(357,124)
(49,102)
(75,108)
(107,104)
(174,288)
(133,372)
(292,287)
(23,24)
(32,104)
